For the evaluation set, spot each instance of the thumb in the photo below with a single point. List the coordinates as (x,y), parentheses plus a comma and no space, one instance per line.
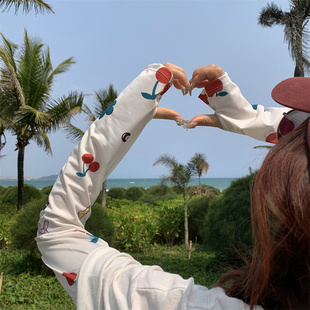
(210,120)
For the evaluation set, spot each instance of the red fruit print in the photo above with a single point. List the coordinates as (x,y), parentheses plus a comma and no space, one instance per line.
(70,277)
(167,86)
(272,138)
(87,158)
(204,98)
(94,166)
(163,75)
(214,87)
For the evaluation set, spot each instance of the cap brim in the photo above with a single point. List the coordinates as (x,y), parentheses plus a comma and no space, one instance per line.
(293,93)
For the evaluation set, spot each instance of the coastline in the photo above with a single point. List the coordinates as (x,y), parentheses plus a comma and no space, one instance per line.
(220,183)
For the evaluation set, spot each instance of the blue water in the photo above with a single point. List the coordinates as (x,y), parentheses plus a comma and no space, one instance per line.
(220,183)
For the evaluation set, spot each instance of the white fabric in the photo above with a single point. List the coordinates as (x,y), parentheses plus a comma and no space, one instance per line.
(237,115)
(95,275)
(112,280)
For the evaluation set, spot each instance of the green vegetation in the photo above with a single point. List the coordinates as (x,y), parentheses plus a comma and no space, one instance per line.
(149,224)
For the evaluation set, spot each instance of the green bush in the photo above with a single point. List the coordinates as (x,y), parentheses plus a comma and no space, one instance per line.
(227,226)
(46,190)
(5,222)
(25,225)
(117,193)
(197,209)
(134,193)
(30,193)
(100,225)
(170,218)
(140,225)
(158,192)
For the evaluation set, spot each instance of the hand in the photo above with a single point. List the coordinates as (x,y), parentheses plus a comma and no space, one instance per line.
(180,80)
(204,75)
(210,120)
(164,113)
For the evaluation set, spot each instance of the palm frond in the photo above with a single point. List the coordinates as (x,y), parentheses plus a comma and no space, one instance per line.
(42,140)
(270,15)
(38,5)
(103,99)
(7,53)
(166,160)
(63,67)
(32,118)
(65,108)
(73,133)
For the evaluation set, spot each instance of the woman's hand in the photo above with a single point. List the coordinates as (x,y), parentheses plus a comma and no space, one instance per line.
(180,80)
(204,75)
(210,120)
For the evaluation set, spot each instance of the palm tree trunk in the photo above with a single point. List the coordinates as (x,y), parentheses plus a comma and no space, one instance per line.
(104,194)
(185,220)
(20,177)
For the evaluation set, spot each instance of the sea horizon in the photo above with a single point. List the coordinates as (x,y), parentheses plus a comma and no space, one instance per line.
(40,183)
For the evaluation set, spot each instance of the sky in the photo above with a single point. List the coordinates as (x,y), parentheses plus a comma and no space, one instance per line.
(113,41)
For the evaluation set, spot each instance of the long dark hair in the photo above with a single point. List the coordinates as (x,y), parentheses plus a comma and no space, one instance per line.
(278,275)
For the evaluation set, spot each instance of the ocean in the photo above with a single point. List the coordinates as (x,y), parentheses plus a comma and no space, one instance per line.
(220,183)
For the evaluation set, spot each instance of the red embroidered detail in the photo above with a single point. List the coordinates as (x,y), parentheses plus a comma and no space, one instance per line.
(70,277)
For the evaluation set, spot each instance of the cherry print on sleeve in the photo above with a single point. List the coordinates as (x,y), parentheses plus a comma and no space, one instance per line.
(70,277)
(213,88)
(163,75)
(93,166)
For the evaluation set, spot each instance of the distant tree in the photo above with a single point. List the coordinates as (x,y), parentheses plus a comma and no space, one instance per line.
(199,164)
(26,106)
(27,5)
(295,32)
(104,97)
(180,175)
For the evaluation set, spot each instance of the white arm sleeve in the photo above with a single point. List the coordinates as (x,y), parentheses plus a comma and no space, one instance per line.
(236,114)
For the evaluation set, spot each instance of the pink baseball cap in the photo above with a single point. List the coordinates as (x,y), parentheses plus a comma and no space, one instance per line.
(294,93)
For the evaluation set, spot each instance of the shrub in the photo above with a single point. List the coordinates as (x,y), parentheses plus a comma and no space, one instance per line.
(30,193)
(134,193)
(25,225)
(227,225)
(100,224)
(5,222)
(46,190)
(197,210)
(138,226)
(170,221)
(158,192)
(116,193)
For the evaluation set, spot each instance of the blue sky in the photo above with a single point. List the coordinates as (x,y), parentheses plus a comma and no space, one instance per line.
(112,41)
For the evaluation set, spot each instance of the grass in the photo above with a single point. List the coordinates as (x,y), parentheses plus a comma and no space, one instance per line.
(29,290)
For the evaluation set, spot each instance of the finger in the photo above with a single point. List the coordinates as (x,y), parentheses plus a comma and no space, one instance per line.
(210,120)
(165,113)
(178,74)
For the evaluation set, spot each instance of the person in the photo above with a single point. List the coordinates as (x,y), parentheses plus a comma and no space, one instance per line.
(97,276)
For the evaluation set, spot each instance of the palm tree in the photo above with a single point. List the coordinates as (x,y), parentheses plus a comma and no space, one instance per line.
(38,5)
(199,164)
(295,32)
(180,175)
(103,99)
(25,98)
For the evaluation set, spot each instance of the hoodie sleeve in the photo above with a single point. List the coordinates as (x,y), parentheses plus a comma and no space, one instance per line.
(237,115)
